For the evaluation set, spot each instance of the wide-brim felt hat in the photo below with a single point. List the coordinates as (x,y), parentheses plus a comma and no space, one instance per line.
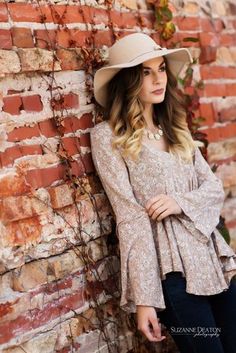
(132,50)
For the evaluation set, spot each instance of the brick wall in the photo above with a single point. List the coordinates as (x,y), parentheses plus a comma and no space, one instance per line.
(46,116)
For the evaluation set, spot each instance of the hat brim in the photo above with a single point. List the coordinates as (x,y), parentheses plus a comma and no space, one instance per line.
(176,58)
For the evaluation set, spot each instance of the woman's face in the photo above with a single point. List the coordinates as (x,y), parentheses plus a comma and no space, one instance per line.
(154,81)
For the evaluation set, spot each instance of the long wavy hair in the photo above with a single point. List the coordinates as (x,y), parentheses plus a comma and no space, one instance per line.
(124,112)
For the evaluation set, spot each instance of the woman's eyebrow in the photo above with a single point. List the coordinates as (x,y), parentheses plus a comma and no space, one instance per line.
(146,67)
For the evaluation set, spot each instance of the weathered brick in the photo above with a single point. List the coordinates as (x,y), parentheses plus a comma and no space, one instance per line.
(21,207)
(228,174)
(9,62)
(38,178)
(61,196)
(22,232)
(11,154)
(22,37)
(13,184)
(222,150)
(37,59)
(70,59)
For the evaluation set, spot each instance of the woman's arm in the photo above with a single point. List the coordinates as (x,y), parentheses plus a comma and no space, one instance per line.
(203,205)
(140,277)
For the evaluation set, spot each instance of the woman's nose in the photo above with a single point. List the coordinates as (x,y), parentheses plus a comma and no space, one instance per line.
(155,77)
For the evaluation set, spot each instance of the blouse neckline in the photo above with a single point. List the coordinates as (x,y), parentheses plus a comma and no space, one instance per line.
(154,149)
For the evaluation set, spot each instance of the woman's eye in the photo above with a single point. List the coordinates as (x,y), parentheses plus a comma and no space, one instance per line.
(145,72)
(163,68)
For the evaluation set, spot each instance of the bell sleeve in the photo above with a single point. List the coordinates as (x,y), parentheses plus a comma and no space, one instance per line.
(140,276)
(202,206)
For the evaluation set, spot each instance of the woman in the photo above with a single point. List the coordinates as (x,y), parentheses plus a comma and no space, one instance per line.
(175,265)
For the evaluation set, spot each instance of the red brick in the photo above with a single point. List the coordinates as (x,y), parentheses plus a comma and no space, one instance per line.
(71,145)
(5,39)
(231,89)
(45,39)
(227,40)
(211,72)
(38,178)
(76,38)
(88,163)
(22,37)
(78,14)
(14,91)
(73,124)
(221,133)
(32,103)
(207,111)
(68,101)
(12,105)
(188,23)
(11,154)
(212,25)
(124,19)
(77,168)
(213,134)
(23,133)
(22,12)
(214,72)
(207,55)
(182,36)
(3,13)
(209,39)
(227,114)
(214,90)
(13,185)
(48,128)
(228,131)
(69,59)
(84,140)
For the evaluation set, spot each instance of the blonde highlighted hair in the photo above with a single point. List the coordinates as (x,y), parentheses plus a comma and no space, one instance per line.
(124,113)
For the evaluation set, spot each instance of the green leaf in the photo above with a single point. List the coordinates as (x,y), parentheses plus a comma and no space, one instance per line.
(190,39)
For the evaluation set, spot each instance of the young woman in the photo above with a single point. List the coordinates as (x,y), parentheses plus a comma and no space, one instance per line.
(176,268)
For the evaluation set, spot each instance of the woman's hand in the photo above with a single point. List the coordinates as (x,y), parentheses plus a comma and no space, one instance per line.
(161,206)
(148,323)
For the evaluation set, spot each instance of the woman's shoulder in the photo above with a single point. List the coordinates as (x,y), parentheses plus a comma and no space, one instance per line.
(101,129)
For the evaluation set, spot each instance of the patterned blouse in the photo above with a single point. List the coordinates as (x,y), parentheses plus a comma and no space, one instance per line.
(188,242)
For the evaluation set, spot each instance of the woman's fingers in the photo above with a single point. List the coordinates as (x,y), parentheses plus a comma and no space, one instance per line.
(151,328)
(157,329)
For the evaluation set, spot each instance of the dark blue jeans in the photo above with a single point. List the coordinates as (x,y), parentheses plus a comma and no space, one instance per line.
(198,323)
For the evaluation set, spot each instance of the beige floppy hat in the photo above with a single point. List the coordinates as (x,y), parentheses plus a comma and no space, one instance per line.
(132,50)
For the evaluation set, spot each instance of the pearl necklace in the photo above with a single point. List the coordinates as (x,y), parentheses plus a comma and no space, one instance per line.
(151,135)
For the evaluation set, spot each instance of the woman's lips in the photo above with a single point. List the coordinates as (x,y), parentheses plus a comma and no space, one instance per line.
(158,91)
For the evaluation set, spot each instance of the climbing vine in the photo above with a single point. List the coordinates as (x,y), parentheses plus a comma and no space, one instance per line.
(103,316)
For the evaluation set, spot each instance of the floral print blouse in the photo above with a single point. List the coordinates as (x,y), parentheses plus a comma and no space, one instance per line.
(188,242)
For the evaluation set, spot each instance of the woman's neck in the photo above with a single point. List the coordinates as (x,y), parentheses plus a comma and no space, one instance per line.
(148,116)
